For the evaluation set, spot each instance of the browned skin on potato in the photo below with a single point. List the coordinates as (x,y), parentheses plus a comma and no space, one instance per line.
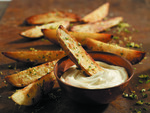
(80,36)
(32,93)
(97,26)
(98,14)
(36,57)
(35,32)
(133,56)
(24,78)
(53,16)
(76,52)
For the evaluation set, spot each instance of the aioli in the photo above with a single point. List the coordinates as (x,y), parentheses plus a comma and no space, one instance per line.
(109,77)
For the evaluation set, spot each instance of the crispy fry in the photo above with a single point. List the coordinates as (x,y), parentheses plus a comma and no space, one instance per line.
(133,56)
(80,36)
(32,93)
(98,14)
(97,26)
(52,17)
(35,32)
(28,76)
(36,57)
(77,54)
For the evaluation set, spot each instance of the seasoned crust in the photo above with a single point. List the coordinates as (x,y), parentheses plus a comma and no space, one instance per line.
(133,56)
(76,52)
(98,14)
(53,16)
(80,36)
(24,78)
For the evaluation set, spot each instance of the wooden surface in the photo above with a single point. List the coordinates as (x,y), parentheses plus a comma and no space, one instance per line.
(135,12)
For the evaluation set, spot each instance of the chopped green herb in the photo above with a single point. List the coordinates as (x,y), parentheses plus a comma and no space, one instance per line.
(125,95)
(9,97)
(115,37)
(66,38)
(140,81)
(140,102)
(148,81)
(79,44)
(147,103)
(133,96)
(144,95)
(145,109)
(10,66)
(143,90)
(71,25)
(126,30)
(143,76)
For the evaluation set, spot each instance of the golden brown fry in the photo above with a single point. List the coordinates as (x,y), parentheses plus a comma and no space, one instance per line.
(24,78)
(98,14)
(80,36)
(53,16)
(36,57)
(97,26)
(133,56)
(32,93)
(77,54)
(35,32)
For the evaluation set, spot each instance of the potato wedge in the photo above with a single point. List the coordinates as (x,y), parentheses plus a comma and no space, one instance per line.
(35,32)
(97,26)
(76,53)
(80,36)
(53,16)
(36,57)
(24,78)
(133,56)
(98,14)
(32,93)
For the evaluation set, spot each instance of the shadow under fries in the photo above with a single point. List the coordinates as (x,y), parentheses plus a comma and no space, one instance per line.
(23,40)
(57,102)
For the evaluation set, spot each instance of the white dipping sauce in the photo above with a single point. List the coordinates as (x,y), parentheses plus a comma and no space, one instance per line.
(109,77)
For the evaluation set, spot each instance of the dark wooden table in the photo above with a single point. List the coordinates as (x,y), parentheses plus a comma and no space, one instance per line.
(135,12)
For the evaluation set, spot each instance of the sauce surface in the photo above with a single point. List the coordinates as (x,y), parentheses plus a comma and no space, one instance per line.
(109,77)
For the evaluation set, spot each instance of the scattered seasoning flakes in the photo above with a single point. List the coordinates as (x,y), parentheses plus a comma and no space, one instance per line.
(9,97)
(132,95)
(79,44)
(147,103)
(145,109)
(132,44)
(66,38)
(42,39)
(126,30)
(144,95)
(143,90)
(32,49)
(115,37)
(1,72)
(71,24)
(125,95)
(148,81)
(140,102)
(140,81)
(143,76)
(10,66)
